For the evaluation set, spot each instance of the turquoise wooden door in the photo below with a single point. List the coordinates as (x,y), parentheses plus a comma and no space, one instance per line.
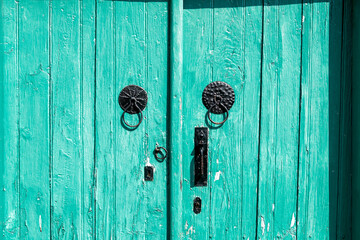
(278,168)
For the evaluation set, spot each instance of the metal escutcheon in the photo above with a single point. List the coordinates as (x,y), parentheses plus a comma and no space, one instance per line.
(218,97)
(133,100)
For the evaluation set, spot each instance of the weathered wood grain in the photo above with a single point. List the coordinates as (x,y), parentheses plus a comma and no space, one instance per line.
(250,104)
(69,168)
(9,117)
(34,120)
(225,174)
(105,99)
(313,195)
(234,146)
(67,157)
(197,73)
(87,91)
(278,156)
(156,50)
(176,121)
(131,146)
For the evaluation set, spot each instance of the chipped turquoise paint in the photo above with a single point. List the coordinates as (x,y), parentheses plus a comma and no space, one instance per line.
(278,168)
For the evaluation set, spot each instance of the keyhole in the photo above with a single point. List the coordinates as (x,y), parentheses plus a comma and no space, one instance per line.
(149,173)
(217,98)
(197,205)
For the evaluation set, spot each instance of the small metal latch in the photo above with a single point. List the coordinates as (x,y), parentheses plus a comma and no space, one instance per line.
(197,205)
(149,173)
(201,156)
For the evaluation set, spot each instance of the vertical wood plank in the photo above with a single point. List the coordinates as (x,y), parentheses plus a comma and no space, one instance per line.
(130,151)
(344,208)
(88,60)
(355,118)
(234,151)
(135,37)
(9,117)
(278,157)
(251,116)
(67,155)
(105,125)
(228,64)
(335,61)
(175,124)
(313,195)
(197,74)
(156,26)
(34,119)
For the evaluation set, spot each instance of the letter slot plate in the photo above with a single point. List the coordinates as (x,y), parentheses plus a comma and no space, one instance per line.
(201,156)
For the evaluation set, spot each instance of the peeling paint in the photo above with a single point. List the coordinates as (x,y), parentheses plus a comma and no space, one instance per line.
(40,223)
(191,230)
(180,103)
(217,176)
(293,220)
(262,225)
(11,222)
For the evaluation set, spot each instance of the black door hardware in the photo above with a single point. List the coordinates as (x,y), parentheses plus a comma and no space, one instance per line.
(197,205)
(160,153)
(218,97)
(149,173)
(133,100)
(201,156)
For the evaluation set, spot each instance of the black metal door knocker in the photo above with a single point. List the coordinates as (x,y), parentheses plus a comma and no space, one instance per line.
(218,97)
(160,153)
(133,100)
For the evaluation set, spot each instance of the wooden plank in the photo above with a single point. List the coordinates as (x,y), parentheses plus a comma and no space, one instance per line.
(234,146)
(156,49)
(131,146)
(355,118)
(313,195)
(335,59)
(251,116)
(105,125)
(67,155)
(9,117)
(228,66)
(127,57)
(279,120)
(344,210)
(130,151)
(197,73)
(34,119)
(87,97)
(175,122)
